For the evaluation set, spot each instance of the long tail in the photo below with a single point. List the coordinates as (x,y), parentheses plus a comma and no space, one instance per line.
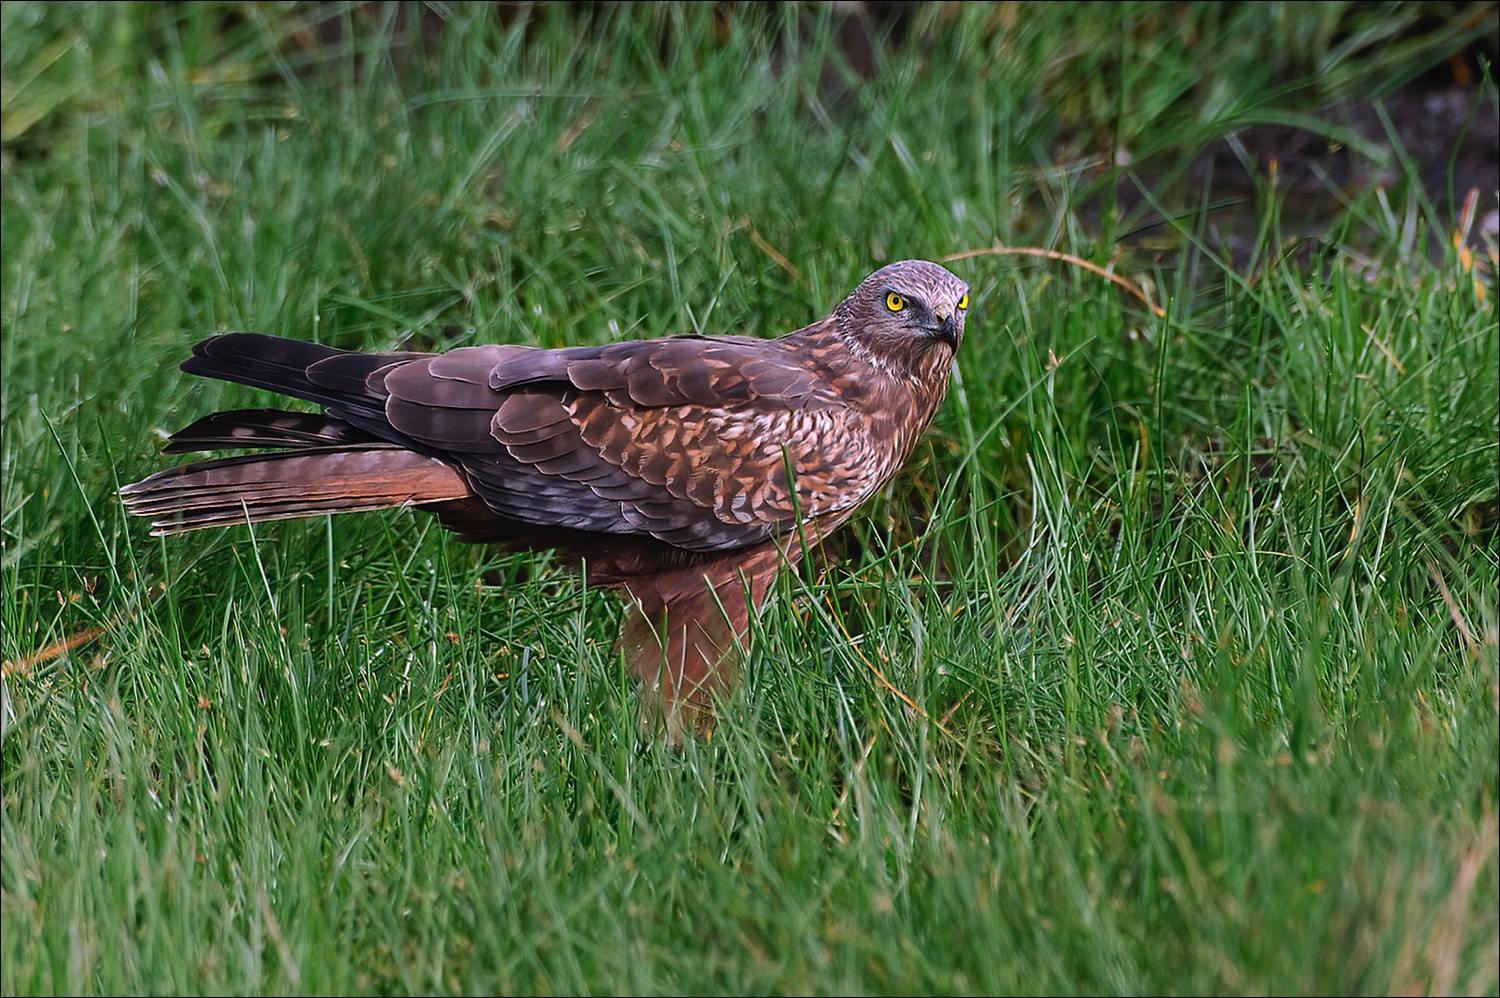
(321,464)
(284,486)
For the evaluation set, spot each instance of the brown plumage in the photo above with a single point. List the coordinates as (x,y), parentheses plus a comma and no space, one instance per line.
(683,471)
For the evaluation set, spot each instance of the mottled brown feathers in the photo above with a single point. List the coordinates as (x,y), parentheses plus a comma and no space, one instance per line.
(682,471)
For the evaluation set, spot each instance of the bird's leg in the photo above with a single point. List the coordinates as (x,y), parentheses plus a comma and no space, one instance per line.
(683,633)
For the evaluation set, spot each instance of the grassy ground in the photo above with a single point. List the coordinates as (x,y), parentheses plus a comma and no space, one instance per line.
(1170,666)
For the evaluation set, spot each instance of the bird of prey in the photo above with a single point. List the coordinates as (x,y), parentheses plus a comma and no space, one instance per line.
(683,471)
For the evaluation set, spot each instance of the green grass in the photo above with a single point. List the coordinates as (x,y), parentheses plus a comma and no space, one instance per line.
(1169,666)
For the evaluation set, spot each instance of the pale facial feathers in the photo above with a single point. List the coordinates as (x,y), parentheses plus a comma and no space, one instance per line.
(900,312)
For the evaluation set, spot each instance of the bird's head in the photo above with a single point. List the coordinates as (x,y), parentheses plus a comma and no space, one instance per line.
(908,314)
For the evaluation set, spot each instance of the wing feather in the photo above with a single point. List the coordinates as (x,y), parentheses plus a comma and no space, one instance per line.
(685,439)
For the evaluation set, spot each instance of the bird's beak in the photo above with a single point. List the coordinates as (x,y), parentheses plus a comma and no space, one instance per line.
(947,331)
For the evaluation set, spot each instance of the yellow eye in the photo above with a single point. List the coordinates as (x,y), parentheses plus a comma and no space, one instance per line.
(894,302)
(963,303)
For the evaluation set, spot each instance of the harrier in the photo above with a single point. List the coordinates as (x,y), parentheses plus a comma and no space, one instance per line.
(682,471)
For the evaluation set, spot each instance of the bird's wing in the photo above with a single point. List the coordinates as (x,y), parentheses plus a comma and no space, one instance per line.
(693,441)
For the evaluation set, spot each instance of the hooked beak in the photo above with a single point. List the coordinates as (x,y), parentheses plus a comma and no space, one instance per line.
(947,331)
